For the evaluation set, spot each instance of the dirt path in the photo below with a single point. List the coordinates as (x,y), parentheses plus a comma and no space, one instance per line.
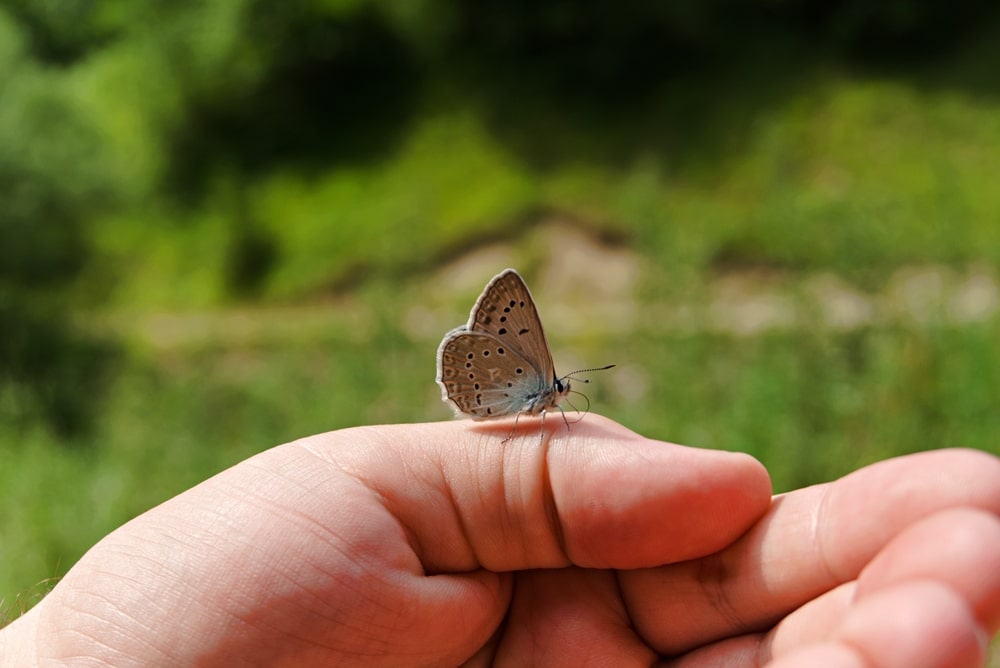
(576,299)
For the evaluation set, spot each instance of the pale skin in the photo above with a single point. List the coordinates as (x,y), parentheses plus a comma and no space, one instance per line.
(438,545)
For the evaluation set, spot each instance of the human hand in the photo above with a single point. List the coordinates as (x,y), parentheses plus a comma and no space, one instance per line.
(437,544)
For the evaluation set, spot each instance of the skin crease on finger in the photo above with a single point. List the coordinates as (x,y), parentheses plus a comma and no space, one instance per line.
(596,496)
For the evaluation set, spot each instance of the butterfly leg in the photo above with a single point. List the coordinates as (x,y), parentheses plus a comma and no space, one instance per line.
(565,419)
(517,416)
(541,425)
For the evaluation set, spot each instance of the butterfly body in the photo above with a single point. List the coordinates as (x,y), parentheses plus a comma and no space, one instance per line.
(499,364)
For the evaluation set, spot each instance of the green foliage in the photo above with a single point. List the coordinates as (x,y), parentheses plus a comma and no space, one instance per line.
(50,182)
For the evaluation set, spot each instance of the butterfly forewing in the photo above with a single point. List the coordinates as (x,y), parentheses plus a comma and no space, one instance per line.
(506,310)
(484,377)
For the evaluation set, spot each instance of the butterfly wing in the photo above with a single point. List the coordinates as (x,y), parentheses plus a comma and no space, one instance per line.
(483,377)
(506,311)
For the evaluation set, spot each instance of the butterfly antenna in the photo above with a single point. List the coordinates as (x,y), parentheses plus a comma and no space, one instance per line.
(581,380)
(585,380)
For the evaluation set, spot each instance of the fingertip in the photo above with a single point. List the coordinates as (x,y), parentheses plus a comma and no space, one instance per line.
(637,502)
(828,655)
(959,547)
(916,623)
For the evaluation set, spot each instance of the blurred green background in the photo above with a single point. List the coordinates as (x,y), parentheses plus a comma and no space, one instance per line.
(226,224)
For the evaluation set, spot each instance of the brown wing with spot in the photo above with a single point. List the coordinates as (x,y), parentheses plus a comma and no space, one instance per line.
(485,378)
(507,311)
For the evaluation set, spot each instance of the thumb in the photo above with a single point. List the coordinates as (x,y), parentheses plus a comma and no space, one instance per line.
(596,496)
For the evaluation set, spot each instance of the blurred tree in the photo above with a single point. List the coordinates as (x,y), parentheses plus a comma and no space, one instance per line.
(329,88)
(62,32)
(50,181)
(604,67)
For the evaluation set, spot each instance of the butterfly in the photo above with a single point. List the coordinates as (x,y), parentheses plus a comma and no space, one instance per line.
(499,364)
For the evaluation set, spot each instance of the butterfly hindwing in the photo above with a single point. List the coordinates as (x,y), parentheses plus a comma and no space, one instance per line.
(483,377)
